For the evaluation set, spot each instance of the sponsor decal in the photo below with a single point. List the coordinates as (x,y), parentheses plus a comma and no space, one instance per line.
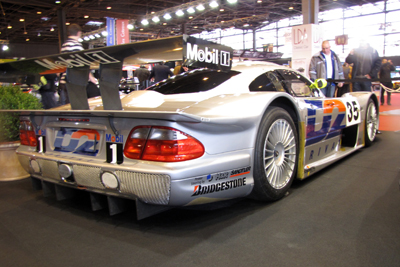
(327,115)
(114,138)
(77,60)
(323,150)
(40,131)
(208,55)
(211,188)
(217,176)
(83,141)
(241,171)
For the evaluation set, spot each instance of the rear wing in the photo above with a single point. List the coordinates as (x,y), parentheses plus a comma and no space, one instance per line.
(110,61)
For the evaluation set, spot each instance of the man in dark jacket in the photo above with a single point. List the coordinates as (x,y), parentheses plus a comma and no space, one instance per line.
(384,76)
(160,72)
(366,66)
(142,74)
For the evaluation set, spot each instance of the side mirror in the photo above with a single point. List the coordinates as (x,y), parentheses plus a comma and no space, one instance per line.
(318,84)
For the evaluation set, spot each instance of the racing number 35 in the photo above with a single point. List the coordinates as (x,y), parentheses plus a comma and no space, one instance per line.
(353,112)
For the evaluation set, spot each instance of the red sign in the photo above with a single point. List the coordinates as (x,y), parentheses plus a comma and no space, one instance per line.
(122,31)
(341,39)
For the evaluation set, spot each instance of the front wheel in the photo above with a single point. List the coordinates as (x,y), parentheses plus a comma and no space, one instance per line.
(275,157)
(371,123)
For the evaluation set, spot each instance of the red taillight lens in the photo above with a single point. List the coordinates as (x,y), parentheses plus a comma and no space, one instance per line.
(163,144)
(27,134)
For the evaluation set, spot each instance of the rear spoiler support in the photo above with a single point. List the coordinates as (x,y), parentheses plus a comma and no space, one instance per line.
(110,76)
(77,79)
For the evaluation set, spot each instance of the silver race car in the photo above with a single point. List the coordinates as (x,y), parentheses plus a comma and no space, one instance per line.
(203,136)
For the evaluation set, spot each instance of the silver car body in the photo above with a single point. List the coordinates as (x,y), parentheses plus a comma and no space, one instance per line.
(225,120)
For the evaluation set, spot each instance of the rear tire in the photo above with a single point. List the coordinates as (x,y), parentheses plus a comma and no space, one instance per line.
(275,156)
(371,123)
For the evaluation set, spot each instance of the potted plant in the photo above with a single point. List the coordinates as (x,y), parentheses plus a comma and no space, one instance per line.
(12,97)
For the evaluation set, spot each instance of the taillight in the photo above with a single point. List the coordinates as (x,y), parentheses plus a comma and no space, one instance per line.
(27,134)
(163,144)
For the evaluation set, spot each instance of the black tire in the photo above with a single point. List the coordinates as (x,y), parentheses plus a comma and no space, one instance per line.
(371,123)
(275,156)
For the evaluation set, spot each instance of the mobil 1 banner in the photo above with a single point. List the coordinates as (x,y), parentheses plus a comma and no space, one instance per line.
(200,53)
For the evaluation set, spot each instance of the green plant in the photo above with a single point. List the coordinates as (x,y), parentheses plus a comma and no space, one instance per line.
(12,97)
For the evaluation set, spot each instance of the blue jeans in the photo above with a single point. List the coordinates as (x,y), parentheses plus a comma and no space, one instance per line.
(362,86)
(329,90)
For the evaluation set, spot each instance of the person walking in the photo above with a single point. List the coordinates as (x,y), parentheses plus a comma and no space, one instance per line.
(366,65)
(326,64)
(72,44)
(384,76)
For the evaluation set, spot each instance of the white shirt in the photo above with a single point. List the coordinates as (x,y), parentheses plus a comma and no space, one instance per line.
(329,67)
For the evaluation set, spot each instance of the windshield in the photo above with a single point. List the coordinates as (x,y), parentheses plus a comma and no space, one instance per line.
(199,80)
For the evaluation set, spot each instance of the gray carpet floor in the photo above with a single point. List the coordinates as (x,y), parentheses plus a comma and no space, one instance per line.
(346,215)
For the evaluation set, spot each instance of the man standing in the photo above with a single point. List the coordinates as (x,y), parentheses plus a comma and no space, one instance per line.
(72,44)
(384,76)
(143,75)
(160,72)
(366,66)
(326,64)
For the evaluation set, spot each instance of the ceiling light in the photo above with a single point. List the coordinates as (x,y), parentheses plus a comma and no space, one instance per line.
(92,37)
(141,29)
(109,7)
(25,32)
(58,2)
(213,4)
(152,12)
(130,26)
(27,39)
(179,13)
(246,25)
(164,23)
(260,1)
(38,34)
(52,29)
(200,7)
(232,1)
(290,7)
(67,23)
(5,47)
(45,18)
(221,10)
(104,33)
(9,27)
(172,31)
(195,27)
(155,19)
(94,23)
(167,16)
(21,20)
(190,17)
(86,16)
(86,38)
(145,22)
(190,10)
(39,12)
(97,35)
(80,40)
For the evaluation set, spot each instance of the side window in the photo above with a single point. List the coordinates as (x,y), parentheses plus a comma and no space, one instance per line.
(267,82)
(295,83)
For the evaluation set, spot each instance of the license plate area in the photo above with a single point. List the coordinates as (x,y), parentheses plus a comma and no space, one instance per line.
(77,141)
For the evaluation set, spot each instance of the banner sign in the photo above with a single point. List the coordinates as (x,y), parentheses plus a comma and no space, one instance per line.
(122,31)
(200,53)
(110,31)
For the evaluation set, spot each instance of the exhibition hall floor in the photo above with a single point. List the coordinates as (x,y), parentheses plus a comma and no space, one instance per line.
(345,215)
